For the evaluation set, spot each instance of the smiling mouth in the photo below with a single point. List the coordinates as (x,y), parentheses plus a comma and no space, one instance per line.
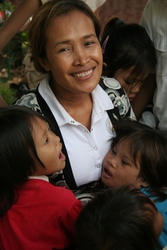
(83,74)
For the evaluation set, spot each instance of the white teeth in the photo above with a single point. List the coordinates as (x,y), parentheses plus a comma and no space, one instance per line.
(83,74)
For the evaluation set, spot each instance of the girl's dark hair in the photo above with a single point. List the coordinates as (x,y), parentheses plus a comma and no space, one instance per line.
(151,147)
(44,17)
(127,45)
(17,151)
(117,219)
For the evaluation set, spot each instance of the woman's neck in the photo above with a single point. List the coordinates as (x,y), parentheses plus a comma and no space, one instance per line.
(78,105)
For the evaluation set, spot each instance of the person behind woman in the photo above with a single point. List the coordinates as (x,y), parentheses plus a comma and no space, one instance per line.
(64,43)
(23,12)
(138,158)
(119,218)
(34,214)
(128,55)
(154,20)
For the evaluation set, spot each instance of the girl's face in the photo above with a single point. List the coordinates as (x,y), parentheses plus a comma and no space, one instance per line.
(74,54)
(122,76)
(48,148)
(119,168)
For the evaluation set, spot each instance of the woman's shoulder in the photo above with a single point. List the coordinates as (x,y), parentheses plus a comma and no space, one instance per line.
(29,100)
(117,95)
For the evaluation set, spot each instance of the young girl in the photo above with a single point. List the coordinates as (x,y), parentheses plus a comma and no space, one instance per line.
(128,55)
(34,214)
(138,158)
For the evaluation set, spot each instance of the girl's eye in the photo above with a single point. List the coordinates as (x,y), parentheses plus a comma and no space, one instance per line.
(124,162)
(113,151)
(127,82)
(46,141)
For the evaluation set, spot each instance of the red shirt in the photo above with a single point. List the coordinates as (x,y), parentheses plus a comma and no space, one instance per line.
(43,218)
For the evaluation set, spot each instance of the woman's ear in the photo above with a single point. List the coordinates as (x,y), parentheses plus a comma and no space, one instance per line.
(105,69)
(44,63)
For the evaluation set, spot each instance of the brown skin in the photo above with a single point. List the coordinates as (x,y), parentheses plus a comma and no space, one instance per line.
(17,19)
(144,95)
(74,59)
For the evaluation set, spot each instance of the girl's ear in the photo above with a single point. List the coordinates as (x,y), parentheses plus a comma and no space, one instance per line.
(44,63)
(141,183)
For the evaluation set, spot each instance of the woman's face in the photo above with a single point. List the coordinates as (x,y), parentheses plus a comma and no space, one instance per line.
(122,76)
(74,55)
(119,168)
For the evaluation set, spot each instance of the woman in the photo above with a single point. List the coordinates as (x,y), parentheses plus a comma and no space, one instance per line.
(64,40)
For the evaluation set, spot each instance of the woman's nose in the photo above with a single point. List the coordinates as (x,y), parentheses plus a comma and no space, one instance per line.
(81,57)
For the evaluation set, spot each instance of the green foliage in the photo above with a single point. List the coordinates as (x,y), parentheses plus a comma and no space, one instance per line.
(14,52)
(6,6)
(9,95)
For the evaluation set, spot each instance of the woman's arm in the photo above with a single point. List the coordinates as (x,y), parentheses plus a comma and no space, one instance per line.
(17,19)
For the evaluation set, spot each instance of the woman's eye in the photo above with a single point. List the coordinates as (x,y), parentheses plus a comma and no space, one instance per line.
(63,50)
(89,43)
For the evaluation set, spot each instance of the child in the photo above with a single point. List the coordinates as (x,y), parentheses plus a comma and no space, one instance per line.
(128,55)
(118,219)
(138,158)
(34,214)
(154,20)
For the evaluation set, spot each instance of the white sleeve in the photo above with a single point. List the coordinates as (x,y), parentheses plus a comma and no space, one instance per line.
(44,1)
(94,4)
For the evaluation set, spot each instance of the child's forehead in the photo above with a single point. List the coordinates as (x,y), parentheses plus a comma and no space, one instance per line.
(127,144)
(125,140)
(37,122)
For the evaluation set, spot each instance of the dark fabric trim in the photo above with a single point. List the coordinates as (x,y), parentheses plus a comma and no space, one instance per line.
(67,171)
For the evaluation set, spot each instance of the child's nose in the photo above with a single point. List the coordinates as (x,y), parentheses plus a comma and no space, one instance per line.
(136,88)
(56,139)
(112,163)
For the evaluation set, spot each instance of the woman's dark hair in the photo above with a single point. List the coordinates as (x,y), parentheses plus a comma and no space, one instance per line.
(151,147)
(117,219)
(127,45)
(17,151)
(44,17)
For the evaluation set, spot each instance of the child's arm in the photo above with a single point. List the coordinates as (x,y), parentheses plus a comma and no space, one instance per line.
(144,95)
(17,19)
